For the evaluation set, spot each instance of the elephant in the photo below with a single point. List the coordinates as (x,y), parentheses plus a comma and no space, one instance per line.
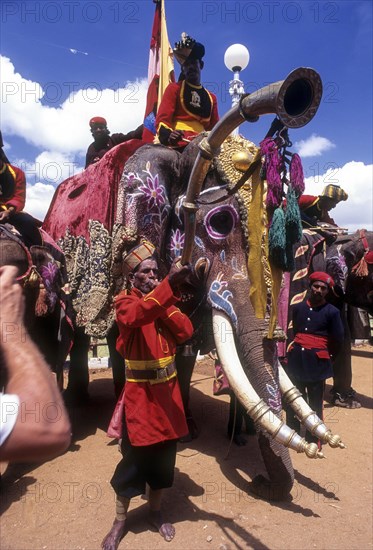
(208,204)
(42,272)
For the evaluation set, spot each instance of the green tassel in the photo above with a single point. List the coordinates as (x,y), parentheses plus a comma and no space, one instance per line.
(292,218)
(290,261)
(277,239)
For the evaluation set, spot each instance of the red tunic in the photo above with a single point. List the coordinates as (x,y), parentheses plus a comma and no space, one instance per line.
(150,327)
(16,197)
(186,107)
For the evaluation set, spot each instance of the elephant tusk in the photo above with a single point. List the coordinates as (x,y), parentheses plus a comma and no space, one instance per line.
(245,393)
(292,396)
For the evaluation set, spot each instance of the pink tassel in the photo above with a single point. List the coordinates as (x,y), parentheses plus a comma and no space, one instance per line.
(269,149)
(296,175)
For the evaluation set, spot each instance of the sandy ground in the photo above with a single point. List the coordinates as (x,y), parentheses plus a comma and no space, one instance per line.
(68,503)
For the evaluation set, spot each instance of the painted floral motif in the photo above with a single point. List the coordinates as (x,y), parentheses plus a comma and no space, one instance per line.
(49,275)
(131,180)
(176,243)
(153,191)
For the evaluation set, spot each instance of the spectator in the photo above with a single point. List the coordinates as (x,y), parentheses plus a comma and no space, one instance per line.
(34,423)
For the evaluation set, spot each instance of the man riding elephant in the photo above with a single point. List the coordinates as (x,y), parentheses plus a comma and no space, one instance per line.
(187,108)
(13,199)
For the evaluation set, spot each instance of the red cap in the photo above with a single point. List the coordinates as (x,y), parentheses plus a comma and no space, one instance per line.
(323,277)
(97,120)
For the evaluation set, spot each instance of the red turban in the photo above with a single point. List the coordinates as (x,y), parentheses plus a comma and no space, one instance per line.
(97,120)
(323,277)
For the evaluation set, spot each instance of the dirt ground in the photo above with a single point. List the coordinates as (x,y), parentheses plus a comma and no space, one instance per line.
(68,503)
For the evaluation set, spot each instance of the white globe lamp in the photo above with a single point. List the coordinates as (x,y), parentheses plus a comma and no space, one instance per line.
(236,58)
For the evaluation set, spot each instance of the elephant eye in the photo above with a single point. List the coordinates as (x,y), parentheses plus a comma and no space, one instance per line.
(221,221)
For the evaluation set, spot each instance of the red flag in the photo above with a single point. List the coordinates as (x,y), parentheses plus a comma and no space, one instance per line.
(160,69)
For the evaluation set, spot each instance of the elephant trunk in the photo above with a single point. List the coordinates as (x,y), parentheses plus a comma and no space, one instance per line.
(254,405)
(295,100)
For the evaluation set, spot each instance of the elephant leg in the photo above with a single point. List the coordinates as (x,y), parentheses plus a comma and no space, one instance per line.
(235,421)
(116,360)
(184,367)
(77,387)
(343,394)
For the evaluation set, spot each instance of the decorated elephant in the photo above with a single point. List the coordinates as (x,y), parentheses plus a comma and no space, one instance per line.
(210,204)
(42,272)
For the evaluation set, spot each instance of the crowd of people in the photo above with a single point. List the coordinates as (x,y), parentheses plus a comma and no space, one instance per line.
(149,325)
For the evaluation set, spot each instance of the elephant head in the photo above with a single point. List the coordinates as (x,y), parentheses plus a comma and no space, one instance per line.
(357,251)
(42,274)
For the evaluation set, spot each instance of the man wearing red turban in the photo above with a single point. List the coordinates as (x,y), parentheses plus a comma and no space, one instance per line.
(318,333)
(103,141)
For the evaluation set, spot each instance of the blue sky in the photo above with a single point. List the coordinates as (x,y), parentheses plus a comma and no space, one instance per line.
(63,62)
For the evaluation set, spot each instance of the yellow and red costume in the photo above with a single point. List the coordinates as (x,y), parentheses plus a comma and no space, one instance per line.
(188,108)
(150,327)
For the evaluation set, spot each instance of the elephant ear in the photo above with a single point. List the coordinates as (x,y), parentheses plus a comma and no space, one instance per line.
(13,252)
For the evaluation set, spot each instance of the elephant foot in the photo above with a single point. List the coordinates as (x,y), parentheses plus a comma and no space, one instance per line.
(270,491)
(346,400)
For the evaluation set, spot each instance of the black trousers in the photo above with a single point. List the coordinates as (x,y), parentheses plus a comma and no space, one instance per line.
(313,393)
(152,464)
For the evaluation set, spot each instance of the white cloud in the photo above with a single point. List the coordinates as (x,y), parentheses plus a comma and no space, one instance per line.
(64,128)
(314,146)
(38,199)
(356,179)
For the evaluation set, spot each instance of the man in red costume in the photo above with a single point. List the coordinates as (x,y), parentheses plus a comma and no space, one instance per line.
(103,141)
(13,199)
(187,108)
(150,328)
(316,208)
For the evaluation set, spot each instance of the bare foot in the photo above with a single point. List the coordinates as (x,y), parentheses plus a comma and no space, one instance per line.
(114,536)
(167,530)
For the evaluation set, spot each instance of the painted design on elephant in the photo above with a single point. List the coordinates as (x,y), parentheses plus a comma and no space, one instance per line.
(176,243)
(219,298)
(179,210)
(199,242)
(221,221)
(49,275)
(238,271)
(275,400)
(153,191)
